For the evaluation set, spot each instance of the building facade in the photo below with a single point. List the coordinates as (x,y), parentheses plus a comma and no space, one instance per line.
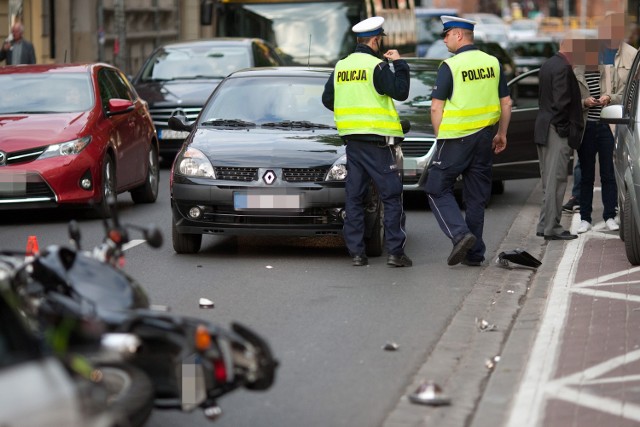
(124,33)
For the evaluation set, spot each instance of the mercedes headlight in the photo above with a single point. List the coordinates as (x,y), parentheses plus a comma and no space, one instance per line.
(338,171)
(68,148)
(195,164)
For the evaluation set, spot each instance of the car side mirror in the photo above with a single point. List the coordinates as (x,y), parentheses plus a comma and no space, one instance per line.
(613,115)
(119,106)
(179,122)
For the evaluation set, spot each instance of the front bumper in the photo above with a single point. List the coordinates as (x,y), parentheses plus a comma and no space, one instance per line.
(228,209)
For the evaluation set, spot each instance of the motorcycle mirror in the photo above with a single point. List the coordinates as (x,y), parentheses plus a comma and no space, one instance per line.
(74,233)
(153,236)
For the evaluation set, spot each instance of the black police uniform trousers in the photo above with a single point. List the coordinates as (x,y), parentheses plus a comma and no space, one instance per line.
(472,157)
(368,161)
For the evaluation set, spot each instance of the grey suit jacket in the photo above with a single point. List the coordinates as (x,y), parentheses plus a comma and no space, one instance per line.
(28,55)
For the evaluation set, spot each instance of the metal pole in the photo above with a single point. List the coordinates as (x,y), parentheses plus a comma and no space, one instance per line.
(121,35)
(101,33)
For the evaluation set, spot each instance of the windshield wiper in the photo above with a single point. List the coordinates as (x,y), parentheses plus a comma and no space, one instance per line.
(297,124)
(236,123)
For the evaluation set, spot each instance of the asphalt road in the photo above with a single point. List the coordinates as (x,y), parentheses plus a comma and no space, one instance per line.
(327,322)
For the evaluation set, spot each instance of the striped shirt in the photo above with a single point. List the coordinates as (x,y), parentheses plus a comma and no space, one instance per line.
(593,82)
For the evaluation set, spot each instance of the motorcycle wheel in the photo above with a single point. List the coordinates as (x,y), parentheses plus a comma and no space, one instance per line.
(130,392)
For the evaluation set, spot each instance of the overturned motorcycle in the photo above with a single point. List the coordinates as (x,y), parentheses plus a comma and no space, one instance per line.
(103,313)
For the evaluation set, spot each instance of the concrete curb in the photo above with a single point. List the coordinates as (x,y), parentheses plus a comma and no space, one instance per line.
(481,396)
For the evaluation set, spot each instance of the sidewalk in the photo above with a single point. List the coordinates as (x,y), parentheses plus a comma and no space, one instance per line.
(584,367)
(567,337)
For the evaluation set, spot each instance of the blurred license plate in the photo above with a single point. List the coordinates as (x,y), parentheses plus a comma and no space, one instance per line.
(172,134)
(266,201)
(13,183)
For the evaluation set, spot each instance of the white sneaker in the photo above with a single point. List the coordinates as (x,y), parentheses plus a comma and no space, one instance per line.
(611,224)
(584,227)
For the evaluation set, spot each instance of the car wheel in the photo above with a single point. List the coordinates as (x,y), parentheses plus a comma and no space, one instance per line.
(185,243)
(148,192)
(374,224)
(631,233)
(108,187)
(129,390)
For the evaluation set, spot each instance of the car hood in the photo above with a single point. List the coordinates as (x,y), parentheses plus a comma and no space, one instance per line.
(22,132)
(269,148)
(184,92)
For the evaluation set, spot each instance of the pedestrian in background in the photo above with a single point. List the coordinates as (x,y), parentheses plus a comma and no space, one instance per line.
(469,97)
(558,130)
(16,49)
(615,59)
(360,92)
(597,141)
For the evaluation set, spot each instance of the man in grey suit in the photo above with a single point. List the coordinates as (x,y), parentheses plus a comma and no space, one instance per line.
(558,130)
(17,50)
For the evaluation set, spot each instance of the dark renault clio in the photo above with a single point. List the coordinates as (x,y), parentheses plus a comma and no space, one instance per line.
(264,157)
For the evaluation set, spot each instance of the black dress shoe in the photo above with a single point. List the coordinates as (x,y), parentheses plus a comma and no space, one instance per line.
(399,261)
(460,249)
(539,234)
(360,260)
(565,235)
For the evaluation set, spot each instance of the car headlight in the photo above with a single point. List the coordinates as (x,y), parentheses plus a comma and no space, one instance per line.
(338,171)
(66,148)
(193,163)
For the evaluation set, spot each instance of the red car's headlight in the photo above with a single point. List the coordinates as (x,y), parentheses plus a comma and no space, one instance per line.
(66,148)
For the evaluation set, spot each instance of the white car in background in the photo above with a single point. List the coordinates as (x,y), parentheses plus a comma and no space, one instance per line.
(489,27)
(522,29)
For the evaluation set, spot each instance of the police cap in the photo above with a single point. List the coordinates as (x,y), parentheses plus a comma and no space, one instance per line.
(451,22)
(369,27)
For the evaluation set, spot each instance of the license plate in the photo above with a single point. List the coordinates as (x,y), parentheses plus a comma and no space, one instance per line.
(244,201)
(172,134)
(13,183)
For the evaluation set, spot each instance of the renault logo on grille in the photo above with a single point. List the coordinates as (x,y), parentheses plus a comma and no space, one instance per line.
(269,177)
(3,158)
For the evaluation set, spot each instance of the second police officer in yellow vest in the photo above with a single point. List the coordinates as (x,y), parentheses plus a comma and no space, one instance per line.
(360,91)
(469,97)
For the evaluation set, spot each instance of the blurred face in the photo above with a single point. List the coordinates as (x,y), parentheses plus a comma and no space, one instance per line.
(612,29)
(16,32)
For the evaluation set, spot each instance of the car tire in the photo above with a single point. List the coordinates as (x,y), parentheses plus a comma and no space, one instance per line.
(108,187)
(148,192)
(631,233)
(621,217)
(130,392)
(185,243)
(374,224)
(497,186)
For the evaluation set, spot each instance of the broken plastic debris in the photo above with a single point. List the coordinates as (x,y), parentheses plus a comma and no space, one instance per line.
(429,393)
(485,326)
(391,346)
(517,256)
(491,363)
(205,303)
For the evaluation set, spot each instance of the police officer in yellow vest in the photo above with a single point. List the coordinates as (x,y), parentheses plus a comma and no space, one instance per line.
(360,92)
(470,95)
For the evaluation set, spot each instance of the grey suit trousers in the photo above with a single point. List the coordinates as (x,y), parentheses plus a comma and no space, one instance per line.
(554,160)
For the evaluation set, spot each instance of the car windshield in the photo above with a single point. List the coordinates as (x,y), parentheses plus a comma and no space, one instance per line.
(41,93)
(196,62)
(269,101)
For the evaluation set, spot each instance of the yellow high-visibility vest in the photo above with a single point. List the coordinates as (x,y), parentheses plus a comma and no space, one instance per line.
(474,102)
(358,107)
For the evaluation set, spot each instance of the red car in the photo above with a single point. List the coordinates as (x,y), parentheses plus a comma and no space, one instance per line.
(73,135)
